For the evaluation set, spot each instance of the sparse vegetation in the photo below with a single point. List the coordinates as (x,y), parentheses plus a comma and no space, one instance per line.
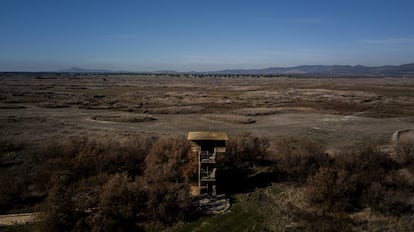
(405,153)
(123,118)
(231,118)
(297,159)
(132,174)
(355,180)
(244,150)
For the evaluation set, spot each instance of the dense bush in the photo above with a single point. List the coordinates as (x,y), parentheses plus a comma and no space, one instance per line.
(244,150)
(244,153)
(168,168)
(108,186)
(168,161)
(298,158)
(68,203)
(10,194)
(82,158)
(16,184)
(357,179)
(141,183)
(405,153)
(332,190)
(122,205)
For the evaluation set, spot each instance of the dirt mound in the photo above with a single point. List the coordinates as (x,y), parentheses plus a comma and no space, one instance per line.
(404,135)
(124,118)
(176,110)
(230,118)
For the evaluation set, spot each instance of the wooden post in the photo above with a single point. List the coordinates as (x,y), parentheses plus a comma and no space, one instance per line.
(199,171)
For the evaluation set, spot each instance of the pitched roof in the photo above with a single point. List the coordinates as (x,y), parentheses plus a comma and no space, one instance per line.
(211,135)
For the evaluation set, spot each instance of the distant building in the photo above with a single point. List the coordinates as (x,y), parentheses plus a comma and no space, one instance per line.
(207,146)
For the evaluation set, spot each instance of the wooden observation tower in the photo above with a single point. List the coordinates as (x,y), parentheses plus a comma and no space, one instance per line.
(207,146)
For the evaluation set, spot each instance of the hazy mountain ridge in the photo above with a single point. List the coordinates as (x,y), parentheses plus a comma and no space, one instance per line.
(85,70)
(302,70)
(329,70)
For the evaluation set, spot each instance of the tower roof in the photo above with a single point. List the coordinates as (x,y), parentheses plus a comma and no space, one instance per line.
(210,135)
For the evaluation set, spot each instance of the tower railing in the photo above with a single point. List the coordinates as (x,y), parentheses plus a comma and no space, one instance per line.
(206,156)
(208,174)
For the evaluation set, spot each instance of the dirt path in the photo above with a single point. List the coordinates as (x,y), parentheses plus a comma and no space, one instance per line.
(18,219)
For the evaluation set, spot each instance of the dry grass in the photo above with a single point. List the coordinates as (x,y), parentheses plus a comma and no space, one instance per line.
(124,118)
(176,110)
(52,105)
(11,106)
(270,111)
(71,173)
(230,118)
(297,159)
(359,178)
(265,100)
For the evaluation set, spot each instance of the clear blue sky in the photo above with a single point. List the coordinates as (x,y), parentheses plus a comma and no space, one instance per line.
(184,35)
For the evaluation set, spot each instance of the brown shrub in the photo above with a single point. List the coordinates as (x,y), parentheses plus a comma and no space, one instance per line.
(359,178)
(244,150)
(168,160)
(83,158)
(10,194)
(332,190)
(59,212)
(168,202)
(298,158)
(16,183)
(405,153)
(106,186)
(121,205)
(368,159)
(6,145)
(169,166)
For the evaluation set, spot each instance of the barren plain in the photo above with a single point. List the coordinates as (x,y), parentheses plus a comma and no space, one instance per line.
(334,111)
(46,117)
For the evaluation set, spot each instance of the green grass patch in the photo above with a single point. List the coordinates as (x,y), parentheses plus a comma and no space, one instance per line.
(242,216)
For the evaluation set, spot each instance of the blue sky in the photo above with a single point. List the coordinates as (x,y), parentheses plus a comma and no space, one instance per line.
(185,35)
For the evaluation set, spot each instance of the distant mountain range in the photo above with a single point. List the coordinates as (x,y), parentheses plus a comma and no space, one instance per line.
(303,70)
(84,70)
(329,70)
